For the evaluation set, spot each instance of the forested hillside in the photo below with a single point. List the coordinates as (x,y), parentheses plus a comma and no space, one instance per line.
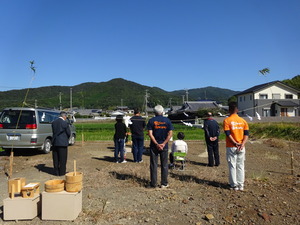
(108,95)
(208,93)
(87,95)
(295,82)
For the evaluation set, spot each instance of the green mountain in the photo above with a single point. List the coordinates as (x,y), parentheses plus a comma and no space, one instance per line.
(103,95)
(207,93)
(106,95)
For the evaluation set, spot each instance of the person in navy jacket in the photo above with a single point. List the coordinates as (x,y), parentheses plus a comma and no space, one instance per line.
(212,132)
(160,131)
(60,142)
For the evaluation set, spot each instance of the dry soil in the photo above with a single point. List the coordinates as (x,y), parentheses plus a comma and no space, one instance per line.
(118,194)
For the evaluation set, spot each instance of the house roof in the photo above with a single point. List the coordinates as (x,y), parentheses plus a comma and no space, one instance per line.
(117,113)
(175,107)
(194,106)
(287,103)
(265,85)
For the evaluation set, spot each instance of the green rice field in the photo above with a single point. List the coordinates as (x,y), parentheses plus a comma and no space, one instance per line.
(104,131)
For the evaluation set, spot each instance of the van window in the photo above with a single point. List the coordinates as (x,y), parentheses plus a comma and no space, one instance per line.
(47,117)
(17,119)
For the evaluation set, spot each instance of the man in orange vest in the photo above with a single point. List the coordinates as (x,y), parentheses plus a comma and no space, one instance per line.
(237,132)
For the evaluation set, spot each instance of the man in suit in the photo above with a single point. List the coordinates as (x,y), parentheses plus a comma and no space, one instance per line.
(61,134)
(212,132)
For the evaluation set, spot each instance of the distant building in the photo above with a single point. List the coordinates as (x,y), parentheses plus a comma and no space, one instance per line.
(89,112)
(194,106)
(269,99)
(188,111)
(122,108)
(117,113)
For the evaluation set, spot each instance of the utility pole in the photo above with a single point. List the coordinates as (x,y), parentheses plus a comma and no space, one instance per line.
(82,98)
(35,103)
(146,102)
(60,106)
(170,103)
(187,94)
(182,99)
(71,100)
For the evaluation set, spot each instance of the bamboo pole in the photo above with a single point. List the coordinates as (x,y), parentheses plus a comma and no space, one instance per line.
(82,139)
(292,163)
(11,160)
(74,167)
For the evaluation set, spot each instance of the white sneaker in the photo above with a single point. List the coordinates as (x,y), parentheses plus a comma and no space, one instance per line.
(234,188)
(164,186)
(141,161)
(124,161)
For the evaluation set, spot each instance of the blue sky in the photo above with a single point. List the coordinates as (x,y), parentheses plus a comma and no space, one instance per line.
(169,44)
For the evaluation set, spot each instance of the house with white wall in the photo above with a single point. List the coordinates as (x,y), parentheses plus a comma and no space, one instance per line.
(269,99)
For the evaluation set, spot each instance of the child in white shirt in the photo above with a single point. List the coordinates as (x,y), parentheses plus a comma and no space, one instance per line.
(178,146)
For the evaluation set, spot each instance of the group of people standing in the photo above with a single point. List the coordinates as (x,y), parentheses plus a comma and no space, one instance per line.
(160,131)
(137,127)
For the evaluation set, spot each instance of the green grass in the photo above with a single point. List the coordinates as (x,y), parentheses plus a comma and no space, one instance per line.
(95,131)
(105,131)
(287,131)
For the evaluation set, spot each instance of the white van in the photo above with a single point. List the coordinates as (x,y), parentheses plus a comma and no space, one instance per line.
(29,128)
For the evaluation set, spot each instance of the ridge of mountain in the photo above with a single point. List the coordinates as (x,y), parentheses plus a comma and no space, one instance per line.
(108,95)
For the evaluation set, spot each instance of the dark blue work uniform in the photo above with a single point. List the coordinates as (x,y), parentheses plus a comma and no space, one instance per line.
(160,127)
(137,135)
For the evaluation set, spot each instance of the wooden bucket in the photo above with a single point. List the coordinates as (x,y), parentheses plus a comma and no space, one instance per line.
(54,185)
(74,181)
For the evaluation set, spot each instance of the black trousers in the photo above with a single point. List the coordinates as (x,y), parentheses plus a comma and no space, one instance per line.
(59,156)
(213,152)
(154,153)
(171,157)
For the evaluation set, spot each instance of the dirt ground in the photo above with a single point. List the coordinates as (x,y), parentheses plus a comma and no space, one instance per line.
(117,194)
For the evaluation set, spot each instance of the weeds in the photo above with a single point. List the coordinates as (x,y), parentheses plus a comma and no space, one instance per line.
(286,131)
(270,155)
(259,177)
(276,143)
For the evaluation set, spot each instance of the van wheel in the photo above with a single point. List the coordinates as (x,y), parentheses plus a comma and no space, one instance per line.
(72,139)
(46,148)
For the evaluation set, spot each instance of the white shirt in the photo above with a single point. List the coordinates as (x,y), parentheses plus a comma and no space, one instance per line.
(179,146)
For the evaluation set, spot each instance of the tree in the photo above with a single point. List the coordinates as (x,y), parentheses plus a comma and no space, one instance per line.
(232,99)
